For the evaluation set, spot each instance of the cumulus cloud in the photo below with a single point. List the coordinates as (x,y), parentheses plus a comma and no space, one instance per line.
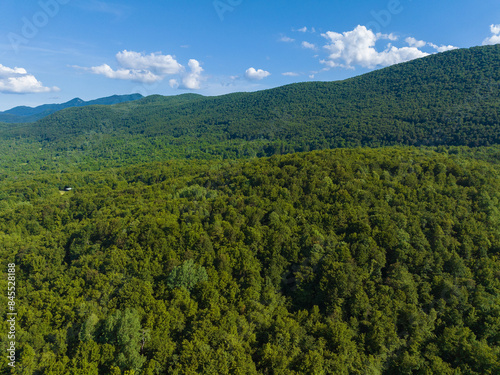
(290,74)
(256,75)
(308,45)
(156,63)
(495,38)
(18,81)
(442,48)
(286,39)
(192,80)
(303,29)
(136,75)
(412,42)
(390,36)
(357,47)
(173,83)
(139,67)
(415,43)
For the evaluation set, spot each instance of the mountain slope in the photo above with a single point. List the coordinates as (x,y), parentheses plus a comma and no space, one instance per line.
(450,98)
(29,114)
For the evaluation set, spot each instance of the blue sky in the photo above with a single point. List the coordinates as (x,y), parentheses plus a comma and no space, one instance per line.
(54,50)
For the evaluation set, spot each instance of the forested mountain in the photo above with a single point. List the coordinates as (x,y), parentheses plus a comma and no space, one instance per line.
(32,114)
(333,262)
(169,235)
(450,98)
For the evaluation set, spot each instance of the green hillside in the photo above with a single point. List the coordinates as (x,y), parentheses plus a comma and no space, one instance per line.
(450,98)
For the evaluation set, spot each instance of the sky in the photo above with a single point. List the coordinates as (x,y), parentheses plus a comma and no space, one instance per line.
(52,51)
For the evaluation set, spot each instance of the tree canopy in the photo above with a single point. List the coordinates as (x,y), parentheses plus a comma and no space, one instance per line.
(344,261)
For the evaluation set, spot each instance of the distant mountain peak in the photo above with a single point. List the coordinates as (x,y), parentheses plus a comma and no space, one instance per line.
(32,114)
(75,101)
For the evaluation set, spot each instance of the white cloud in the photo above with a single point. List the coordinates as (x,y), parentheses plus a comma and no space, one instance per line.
(286,39)
(415,43)
(290,74)
(420,43)
(256,75)
(303,30)
(390,36)
(308,45)
(136,75)
(173,83)
(6,72)
(18,81)
(155,63)
(193,79)
(357,47)
(495,38)
(138,67)
(442,48)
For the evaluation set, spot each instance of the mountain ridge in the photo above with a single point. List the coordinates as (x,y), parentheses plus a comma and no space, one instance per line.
(447,99)
(22,114)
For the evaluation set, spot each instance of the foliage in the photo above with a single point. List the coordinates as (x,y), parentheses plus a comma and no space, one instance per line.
(186,275)
(349,261)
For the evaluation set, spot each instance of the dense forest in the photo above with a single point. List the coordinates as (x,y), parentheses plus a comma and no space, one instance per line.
(331,262)
(345,227)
